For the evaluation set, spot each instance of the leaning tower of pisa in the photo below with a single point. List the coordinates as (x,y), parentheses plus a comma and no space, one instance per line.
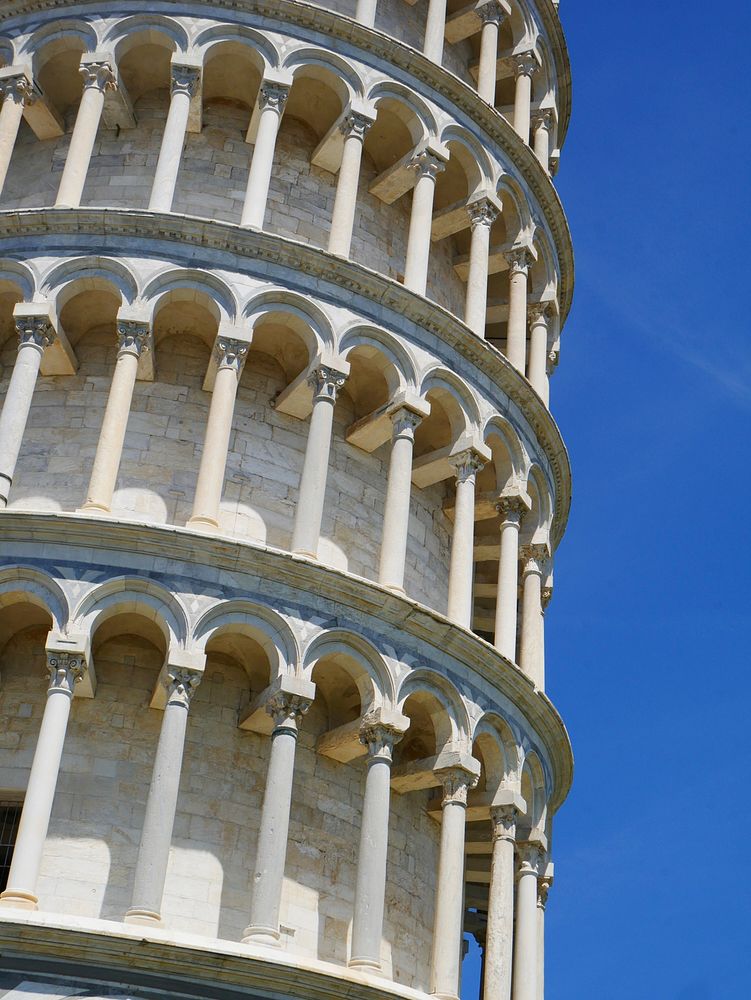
(282,286)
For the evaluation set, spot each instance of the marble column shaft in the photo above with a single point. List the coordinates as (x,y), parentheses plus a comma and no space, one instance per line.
(398,493)
(482,215)
(435,29)
(17,91)
(542,123)
(492,15)
(525,68)
(428,166)
(538,348)
(272,99)
(355,127)
(500,929)
(511,509)
(532,637)
(365,12)
(525,928)
(184,83)
(462,560)
(98,77)
(519,261)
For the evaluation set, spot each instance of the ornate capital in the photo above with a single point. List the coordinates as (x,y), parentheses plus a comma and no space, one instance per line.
(36,331)
(427,164)
(482,213)
(64,670)
(467,464)
(404,423)
(539,312)
(530,859)
(18,88)
(287,711)
(543,888)
(492,12)
(230,354)
(98,75)
(512,507)
(535,559)
(456,784)
(326,382)
(553,359)
(185,80)
(355,124)
(380,739)
(503,821)
(132,337)
(542,119)
(547,595)
(525,64)
(519,261)
(273,95)
(182,686)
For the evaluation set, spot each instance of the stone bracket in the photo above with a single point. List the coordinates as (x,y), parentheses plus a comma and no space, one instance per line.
(375,429)
(296,400)
(80,645)
(256,719)
(328,152)
(343,744)
(59,358)
(436,466)
(455,218)
(41,116)
(400,178)
(421,774)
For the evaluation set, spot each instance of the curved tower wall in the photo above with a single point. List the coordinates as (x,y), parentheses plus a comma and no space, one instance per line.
(281,292)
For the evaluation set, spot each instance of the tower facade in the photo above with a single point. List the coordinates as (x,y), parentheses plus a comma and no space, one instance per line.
(281,292)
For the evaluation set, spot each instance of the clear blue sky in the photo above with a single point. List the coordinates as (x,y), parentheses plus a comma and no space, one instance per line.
(648,631)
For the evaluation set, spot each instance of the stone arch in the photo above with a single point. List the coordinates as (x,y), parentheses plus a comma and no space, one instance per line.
(7,52)
(534,792)
(536,524)
(154,29)
(66,279)
(474,158)
(543,273)
(373,678)
(210,38)
(452,724)
(215,293)
(266,628)
(516,216)
(438,378)
(414,111)
(139,596)
(21,276)
(350,82)
(37,588)
(309,321)
(508,455)
(51,39)
(500,751)
(398,353)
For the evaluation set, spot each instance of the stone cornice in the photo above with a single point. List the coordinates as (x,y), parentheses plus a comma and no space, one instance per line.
(437,79)
(254,245)
(430,628)
(551,18)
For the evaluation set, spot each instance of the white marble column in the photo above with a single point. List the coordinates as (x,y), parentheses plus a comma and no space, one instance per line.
(398,494)
(428,166)
(511,508)
(17,91)
(446,956)
(370,889)
(462,562)
(354,127)
(306,533)
(525,927)
(65,669)
(543,888)
(552,363)
(97,78)
(184,83)
(365,12)
(542,123)
(230,359)
(34,334)
(132,342)
(492,16)
(482,215)
(538,348)
(287,711)
(435,30)
(161,804)
(525,67)
(532,637)
(272,99)
(519,261)
(500,930)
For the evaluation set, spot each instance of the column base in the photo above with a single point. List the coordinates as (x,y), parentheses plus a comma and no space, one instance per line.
(93,508)
(265,937)
(446,996)
(200,522)
(366,965)
(306,553)
(19,899)
(144,918)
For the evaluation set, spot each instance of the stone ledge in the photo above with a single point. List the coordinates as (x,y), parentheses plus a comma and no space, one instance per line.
(439,80)
(169,543)
(62,224)
(78,948)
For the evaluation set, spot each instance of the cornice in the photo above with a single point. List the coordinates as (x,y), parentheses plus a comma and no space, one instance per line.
(428,627)
(251,244)
(437,78)
(551,18)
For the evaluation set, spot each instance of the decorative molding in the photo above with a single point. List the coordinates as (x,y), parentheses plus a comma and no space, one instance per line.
(64,670)
(36,331)
(182,685)
(185,79)
(287,711)
(133,337)
(231,354)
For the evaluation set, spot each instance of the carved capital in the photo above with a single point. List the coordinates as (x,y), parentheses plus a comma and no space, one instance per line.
(287,711)
(529,857)
(542,119)
(467,464)
(503,822)
(132,337)
(99,76)
(35,331)
(380,739)
(525,64)
(185,79)
(230,353)
(273,95)
(404,423)
(181,686)
(547,595)
(482,213)
(512,507)
(326,382)
(553,359)
(519,261)
(539,312)
(543,888)
(356,124)
(427,164)
(65,670)
(18,88)
(535,559)
(456,784)
(492,12)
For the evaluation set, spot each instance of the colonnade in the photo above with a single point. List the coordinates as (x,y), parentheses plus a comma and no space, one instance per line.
(36,331)
(514,939)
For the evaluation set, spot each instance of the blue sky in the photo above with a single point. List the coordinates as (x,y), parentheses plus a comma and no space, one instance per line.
(648,631)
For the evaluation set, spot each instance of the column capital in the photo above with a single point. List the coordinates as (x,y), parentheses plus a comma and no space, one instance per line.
(457,782)
(185,79)
(427,163)
(519,260)
(544,884)
(326,382)
(503,822)
(535,558)
(493,12)
(36,331)
(287,710)
(546,596)
(404,423)
(482,212)
(512,506)
(542,118)
(181,685)
(525,64)
(530,856)
(273,95)
(18,86)
(133,337)
(539,312)
(229,353)
(98,74)
(380,737)
(554,357)
(65,669)
(356,124)
(467,464)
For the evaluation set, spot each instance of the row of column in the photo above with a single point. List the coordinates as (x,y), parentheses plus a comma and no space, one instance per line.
(287,710)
